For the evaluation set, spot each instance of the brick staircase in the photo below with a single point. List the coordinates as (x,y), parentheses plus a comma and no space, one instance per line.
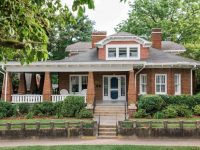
(107,132)
(108,114)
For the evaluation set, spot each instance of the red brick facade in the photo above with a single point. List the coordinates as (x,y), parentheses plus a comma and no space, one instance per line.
(47,88)
(9,88)
(22,84)
(156,38)
(96,37)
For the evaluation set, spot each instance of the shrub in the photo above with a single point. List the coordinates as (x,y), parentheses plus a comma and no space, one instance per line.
(84,113)
(29,115)
(197,110)
(183,110)
(170,112)
(72,106)
(151,103)
(141,113)
(188,100)
(58,108)
(87,125)
(43,109)
(23,108)
(6,109)
(159,115)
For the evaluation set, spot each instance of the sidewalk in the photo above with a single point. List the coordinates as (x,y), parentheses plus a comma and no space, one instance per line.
(51,142)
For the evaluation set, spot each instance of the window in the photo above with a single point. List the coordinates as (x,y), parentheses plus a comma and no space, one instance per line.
(112,52)
(105,80)
(143,84)
(133,52)
(161,84)
(177,84)
(78,83)
(123,86)
(123,52)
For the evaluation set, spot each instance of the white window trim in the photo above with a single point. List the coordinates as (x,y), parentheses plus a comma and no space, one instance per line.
(117,46)
(80,82)
(161,93)
(141,92)
(179,90)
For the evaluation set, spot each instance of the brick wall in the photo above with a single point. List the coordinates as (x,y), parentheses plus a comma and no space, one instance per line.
(98,79)
(144,52)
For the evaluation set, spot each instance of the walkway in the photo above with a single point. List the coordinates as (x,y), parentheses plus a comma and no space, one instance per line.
(51,142)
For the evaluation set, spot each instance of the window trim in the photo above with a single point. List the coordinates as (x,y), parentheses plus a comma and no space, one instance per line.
(127,46)
(141,92)
(179,83)
(80,82)
(161,93)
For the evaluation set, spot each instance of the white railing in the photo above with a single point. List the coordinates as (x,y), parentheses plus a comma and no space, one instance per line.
(58,98)
(27,98)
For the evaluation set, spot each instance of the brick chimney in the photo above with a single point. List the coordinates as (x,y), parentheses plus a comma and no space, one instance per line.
(97,36)
(156,38)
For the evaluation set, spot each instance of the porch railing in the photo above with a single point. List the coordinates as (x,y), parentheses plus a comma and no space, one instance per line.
(57,98)
(27,98)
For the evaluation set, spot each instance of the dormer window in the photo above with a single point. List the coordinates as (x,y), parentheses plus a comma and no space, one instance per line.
(123,52)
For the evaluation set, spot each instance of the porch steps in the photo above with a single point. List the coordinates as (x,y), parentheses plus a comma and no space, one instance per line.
(107,132)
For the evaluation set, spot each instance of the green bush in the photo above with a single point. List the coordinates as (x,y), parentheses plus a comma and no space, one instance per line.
(29,115)
(84,113)
(23,108)
(58,108)
(183,110)
(141,113)
(197,110)
(43,109)
(159,115)
(188,100)
(151,103)
(170,112)
(72,105)
(6,109)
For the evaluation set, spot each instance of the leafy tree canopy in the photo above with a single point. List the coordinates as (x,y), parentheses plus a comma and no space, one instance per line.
(179,19)
(26,24)
(60,38)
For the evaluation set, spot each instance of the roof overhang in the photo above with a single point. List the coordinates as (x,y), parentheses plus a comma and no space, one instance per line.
(139,40)
(105,66)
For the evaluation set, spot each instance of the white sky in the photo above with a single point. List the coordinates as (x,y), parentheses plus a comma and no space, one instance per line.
(107,14)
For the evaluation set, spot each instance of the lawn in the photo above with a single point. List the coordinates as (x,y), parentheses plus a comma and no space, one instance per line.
(41,120)
(101,147)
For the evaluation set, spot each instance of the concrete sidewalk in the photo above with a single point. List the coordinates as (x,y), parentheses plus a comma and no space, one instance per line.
(51,142)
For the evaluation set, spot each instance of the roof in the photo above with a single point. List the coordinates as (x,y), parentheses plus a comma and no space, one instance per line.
(169,45)
(79,46)
(155,56)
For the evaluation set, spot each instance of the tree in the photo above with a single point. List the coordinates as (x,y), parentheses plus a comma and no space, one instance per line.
(179,19)
(25,26)
(80,30)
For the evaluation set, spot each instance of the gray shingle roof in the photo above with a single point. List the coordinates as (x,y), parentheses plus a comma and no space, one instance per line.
(79,46)
(155,56)
(169,45)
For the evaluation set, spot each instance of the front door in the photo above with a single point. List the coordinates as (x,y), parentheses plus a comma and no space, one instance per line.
(114,87)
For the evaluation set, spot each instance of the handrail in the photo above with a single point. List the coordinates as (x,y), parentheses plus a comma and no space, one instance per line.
(116,125)
(99,123)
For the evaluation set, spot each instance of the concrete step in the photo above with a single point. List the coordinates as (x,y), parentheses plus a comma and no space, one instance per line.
(107,129)
(107,133)
(108,126)
(107,137)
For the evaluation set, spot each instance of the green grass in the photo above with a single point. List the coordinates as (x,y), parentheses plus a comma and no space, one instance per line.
(101,147)
(169,120)
(41,120)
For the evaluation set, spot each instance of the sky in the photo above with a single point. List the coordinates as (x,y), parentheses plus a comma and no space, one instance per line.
(107,14)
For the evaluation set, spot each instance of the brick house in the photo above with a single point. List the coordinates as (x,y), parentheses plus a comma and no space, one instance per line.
(113,68)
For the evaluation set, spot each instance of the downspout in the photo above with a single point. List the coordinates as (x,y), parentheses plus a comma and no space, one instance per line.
(191,82)
(4,74)
(137,74)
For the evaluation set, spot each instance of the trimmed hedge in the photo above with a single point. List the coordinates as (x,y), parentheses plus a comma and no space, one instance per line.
(164,106)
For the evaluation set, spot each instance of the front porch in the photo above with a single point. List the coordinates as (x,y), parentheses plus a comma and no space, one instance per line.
(95,87)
